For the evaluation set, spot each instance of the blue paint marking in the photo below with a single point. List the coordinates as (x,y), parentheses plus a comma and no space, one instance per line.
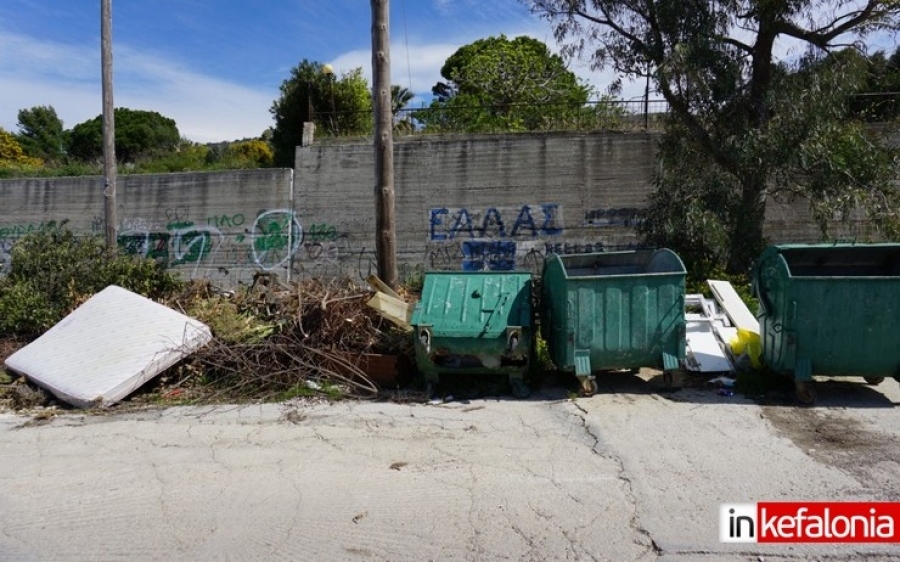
(489,255)
(436,220)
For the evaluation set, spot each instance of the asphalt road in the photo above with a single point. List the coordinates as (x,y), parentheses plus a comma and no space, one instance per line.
(632,473)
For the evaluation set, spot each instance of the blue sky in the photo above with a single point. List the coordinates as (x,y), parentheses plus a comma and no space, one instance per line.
(215,66)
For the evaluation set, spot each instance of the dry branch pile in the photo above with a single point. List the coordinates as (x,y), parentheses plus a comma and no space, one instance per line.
(274,341)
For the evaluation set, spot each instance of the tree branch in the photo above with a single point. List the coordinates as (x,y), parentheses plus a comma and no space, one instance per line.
(824,35)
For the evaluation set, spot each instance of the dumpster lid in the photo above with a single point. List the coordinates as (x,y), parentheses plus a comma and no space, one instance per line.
(472,304)
(635,262)
(838,260)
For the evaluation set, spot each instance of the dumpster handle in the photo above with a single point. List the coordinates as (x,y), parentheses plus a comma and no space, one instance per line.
(765,301)
(501,300)
(768,308)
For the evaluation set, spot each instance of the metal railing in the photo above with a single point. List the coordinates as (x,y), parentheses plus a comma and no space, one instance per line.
(614,115)
(610,115)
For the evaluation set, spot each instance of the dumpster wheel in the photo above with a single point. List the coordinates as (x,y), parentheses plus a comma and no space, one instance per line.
(668,379)
(805,392)
(519,389)
(874,380)
(589,386)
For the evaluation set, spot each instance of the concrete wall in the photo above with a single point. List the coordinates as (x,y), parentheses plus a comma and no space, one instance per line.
(221,225)
(462,203)
(493,202)
(475,202)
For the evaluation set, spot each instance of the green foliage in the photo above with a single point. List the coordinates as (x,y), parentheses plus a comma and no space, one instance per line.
(879,102)
(692,208)
(74,168)
(41,133)
(228,323)
(186,157)
(810,147)
(753,122)
(400,98)
(138,134)
(501,84)
(413,278)
(542,360)
(249,154)
(337,106)
(310,389)
(25,308)
(53,270)
(11,153)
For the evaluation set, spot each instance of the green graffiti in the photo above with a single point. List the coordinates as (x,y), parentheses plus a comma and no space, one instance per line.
(16,231)
(225,221)
(320,233)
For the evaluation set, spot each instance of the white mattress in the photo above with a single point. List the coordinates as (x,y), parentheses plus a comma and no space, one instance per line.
(108,347)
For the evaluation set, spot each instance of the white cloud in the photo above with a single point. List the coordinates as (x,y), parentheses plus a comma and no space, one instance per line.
(206,109)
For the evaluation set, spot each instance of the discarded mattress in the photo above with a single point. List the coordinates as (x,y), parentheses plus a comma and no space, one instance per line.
(108,347)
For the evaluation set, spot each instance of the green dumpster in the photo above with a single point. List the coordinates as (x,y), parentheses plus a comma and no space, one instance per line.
(615,310)
(474,323)
(829,310)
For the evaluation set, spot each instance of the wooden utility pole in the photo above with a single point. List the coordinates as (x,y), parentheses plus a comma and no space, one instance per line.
(109,127)
(385,233)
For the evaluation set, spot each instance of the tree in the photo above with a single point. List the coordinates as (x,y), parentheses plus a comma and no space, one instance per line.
(400,98)
(41,133)
(880,101)
(249,154)
(138,134)
(498,83)
(337,106)
(714,63)
(11,153)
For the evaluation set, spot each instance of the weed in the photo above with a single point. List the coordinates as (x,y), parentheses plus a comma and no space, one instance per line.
(52,271)
(228,323)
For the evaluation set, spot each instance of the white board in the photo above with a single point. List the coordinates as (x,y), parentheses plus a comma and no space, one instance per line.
(704,353)
(733,306)
(108,347)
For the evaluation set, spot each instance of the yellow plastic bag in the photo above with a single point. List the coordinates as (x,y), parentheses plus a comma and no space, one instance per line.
(748,342)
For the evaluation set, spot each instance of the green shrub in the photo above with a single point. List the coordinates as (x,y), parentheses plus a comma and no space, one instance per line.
(24,309)
(53,270)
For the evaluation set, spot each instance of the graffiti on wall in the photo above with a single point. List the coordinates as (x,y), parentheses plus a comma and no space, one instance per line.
(626,217)
(227,244)
(16,231)
(274,239)
(493,255)
(487,239)
(527,221)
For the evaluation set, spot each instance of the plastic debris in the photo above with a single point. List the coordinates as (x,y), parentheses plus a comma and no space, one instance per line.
(726,382)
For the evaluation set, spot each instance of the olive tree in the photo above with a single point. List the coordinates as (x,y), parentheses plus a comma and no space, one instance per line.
(715,64)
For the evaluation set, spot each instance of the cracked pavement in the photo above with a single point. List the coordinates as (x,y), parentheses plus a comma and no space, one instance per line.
(628,474)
